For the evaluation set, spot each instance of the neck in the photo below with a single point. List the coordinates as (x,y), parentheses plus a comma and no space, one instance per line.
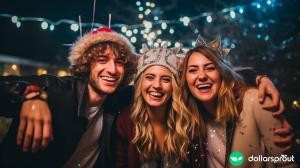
(157,115)
(95,98)
(210,107)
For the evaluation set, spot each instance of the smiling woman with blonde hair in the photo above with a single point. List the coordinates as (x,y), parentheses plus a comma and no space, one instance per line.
(156,130)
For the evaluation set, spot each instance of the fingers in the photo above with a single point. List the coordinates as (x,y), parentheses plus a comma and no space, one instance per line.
(28,136)
(21,130)
(280,110)
(283,141)
(47,134)
(37,135)
(282,131)
(275,100)
(261,93)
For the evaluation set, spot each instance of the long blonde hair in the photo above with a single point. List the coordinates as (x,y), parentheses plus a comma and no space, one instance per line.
(179,125)
(231,89)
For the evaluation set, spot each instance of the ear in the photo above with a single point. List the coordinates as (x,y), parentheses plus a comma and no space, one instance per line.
(200,41)
(216,44)
(145,48)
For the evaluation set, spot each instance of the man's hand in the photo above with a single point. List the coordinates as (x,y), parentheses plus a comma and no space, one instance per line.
(266,87)
(35,127)
(285,137)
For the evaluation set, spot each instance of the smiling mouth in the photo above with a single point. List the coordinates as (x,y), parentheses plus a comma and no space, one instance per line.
(204,86)
(156,95)
(109,78)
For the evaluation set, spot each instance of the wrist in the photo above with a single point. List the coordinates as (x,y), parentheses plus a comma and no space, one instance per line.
(35,92)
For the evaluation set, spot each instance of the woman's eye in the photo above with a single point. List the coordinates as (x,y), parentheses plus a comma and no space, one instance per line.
(192,70)
(149,77)
(166,80)
(211,68)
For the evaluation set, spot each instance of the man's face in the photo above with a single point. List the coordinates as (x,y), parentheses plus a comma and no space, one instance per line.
(106,72)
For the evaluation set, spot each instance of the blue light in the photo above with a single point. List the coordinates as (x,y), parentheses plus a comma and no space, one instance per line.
(260,25)
(267,37)
(232,45)
(269,2)
(141,8)
(258,36)
(258,6)
(138,3)
(232,14)
(241,10)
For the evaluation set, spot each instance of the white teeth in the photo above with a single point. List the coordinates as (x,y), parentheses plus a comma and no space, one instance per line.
(156,94)
(109,78)
(204,86)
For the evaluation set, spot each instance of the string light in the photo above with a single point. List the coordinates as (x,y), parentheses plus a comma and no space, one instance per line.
(51,27)
(44,25)
(133,39)
(209,19)
(141,16)
(74,27)
(138,3)
(232,14)
(241,10)
(124,29)
(163,25)
(18,24)
(186,21)
(171,30)
(128,33)
(14,19)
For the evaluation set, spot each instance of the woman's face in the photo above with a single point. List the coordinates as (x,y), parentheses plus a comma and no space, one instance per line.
(203,79)
(157,86)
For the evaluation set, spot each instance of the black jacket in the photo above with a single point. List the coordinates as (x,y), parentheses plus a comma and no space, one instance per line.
(67,100)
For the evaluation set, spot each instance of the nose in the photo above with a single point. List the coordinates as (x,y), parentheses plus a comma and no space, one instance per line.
(111,67)
(202,75)
(156,83)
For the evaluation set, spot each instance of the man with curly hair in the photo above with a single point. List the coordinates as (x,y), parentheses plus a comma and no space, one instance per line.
(82,108)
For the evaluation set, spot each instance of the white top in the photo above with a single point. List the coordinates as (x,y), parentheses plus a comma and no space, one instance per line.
(216,144)
(88,149)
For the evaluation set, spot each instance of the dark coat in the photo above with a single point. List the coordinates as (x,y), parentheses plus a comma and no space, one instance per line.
(67,99)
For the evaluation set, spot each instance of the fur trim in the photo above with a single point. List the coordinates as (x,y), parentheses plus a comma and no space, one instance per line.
(83,43)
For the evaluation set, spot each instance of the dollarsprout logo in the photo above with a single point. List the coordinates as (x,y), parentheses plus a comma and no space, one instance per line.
(236,158)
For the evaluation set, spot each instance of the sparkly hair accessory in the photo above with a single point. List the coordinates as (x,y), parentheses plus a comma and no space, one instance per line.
(167,57)
(215,44)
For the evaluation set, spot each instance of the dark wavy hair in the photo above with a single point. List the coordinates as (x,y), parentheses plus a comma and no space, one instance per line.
(82,67)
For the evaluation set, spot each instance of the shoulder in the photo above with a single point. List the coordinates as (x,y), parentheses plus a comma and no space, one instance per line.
(251,97)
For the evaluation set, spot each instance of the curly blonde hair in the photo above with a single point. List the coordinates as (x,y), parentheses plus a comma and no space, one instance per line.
(179,125)
(82,67)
